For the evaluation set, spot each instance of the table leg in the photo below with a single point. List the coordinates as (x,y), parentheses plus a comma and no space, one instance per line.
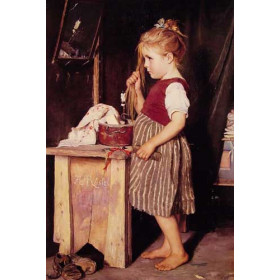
(118,245)
(62,206)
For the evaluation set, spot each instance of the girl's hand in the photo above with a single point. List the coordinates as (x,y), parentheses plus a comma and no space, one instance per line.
(135,80)
(146,150)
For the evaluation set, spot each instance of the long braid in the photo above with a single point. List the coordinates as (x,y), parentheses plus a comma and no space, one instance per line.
(130,91)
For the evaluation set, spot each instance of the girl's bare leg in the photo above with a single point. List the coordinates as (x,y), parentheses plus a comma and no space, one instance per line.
(162,252)
(177,255)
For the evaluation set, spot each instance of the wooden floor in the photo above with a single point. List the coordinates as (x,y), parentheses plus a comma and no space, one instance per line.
(212,258)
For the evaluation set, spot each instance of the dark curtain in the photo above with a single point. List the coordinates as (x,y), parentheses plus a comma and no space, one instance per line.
(210,74)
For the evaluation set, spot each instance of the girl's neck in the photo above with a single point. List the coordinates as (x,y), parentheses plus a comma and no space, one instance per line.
(173,73)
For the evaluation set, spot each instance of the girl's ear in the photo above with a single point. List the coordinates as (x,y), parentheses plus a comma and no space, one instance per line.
(170,57)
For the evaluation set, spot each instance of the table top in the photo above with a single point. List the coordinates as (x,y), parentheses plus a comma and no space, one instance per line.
(90,151)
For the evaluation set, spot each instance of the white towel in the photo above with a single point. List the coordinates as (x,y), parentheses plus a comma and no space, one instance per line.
(85,132)
(229,130)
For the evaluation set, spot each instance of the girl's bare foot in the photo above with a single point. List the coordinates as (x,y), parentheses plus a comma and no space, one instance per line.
(157,253)
(172,262)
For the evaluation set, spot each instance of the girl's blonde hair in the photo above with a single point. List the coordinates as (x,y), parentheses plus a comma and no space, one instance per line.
(166,38)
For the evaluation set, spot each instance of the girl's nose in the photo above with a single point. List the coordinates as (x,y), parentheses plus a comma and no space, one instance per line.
(146,63)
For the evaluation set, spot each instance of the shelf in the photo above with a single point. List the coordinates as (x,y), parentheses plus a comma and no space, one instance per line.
(224,182)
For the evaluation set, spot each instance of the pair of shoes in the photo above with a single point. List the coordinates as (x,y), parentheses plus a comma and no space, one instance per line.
(71,267)
(87,265)
(78,268)
(59,262)
(72,272)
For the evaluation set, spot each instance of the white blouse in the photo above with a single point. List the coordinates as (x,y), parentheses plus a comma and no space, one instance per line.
(176,99)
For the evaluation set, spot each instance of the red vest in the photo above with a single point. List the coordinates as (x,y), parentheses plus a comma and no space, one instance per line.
(154,105)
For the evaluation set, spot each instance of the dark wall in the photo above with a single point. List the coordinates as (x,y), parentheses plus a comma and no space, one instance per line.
(69,89)
(207,24)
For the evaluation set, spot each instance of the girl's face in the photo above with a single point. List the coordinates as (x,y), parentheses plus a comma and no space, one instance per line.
(156,64)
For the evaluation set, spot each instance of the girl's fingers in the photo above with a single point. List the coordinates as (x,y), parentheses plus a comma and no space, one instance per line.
(132,79)
(139,154)
(142,155)
(136,73)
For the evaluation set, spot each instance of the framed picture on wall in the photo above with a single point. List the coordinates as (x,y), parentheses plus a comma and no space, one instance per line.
(79,31)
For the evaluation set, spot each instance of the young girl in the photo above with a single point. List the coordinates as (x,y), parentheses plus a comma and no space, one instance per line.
(162,188)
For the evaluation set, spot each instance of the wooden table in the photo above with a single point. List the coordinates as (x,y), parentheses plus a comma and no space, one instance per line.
(90,204)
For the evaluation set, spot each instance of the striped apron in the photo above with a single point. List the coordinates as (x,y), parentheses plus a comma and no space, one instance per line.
(163,187)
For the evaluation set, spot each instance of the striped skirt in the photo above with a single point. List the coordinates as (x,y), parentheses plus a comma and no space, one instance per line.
(163,187)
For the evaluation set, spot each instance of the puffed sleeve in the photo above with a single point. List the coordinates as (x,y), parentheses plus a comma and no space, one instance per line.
(176,99)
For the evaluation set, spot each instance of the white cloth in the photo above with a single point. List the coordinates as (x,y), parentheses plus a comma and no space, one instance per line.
(229,130)
(85,132)
(176,99)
